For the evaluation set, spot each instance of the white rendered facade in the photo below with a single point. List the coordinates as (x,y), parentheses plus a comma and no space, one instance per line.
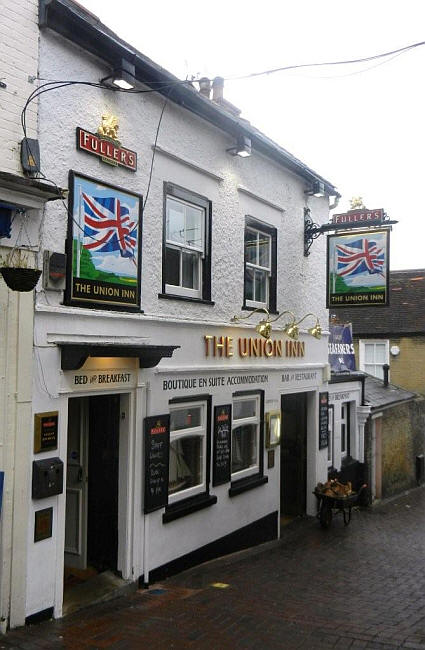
(190,154)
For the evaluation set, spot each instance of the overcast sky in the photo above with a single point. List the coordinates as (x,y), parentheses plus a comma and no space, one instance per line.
(362,127)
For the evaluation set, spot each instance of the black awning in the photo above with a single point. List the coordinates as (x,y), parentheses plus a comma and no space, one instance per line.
(74,355)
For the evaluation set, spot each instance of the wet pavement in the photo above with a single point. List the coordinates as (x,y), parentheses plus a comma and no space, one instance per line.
(360,586)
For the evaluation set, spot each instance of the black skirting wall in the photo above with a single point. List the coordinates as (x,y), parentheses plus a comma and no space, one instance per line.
(262,530)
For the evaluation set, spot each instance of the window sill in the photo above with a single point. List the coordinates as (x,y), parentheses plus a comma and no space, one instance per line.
(245,484)
(173,296)
(187,506)
(271,311)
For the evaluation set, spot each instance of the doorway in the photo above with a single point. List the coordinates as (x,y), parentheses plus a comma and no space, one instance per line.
(293,456)
(91,521)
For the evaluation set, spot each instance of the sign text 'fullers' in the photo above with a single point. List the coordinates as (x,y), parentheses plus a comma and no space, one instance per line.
(227,346)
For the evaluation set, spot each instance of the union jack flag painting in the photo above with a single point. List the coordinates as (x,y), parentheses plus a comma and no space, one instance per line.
(104,247)
(107,226)
(360,256)
(358,264)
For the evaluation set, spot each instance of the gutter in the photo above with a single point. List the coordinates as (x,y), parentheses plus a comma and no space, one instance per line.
(73,22)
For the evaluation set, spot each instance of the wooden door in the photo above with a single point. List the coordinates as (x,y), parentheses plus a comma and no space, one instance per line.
(293,454)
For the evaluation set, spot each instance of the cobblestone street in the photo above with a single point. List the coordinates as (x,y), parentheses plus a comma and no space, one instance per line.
(362,586)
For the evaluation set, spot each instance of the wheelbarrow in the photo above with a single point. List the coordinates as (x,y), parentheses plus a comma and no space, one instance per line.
(338,504)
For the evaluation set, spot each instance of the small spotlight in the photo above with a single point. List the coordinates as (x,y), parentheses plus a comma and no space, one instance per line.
(242,148)
(317,189)
(123,75)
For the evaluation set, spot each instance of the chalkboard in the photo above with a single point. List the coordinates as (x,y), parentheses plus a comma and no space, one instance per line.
(323,420)
(222,444)
(157,445)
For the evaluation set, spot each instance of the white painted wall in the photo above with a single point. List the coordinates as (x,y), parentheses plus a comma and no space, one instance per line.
(19,58)
(224,180)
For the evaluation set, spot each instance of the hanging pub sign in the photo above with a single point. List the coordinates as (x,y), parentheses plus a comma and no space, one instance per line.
(341,348)
(358,269)
(105,144)
(359,216)
(323,420)
(103,246)
(222,444)
(157,444)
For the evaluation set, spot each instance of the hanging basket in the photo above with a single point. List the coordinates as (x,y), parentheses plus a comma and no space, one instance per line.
(19,279)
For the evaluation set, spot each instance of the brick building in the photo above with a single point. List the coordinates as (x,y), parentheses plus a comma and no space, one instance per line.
(393,335)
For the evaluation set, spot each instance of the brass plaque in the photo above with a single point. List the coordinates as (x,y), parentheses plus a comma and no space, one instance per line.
(43,524)
(45,431)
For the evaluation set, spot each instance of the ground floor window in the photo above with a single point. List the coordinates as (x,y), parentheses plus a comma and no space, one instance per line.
(188,449)
(246,435)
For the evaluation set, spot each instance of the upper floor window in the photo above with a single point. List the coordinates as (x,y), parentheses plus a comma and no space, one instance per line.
(372,356)
(187,255)
(260,265)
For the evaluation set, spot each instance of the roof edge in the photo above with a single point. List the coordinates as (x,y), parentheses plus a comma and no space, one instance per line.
(78,25)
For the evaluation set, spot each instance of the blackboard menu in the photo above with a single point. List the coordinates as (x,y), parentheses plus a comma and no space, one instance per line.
(222,444)
(323,420)
(157,445)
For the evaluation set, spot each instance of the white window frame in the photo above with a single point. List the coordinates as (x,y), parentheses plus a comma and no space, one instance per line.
(253,469)
(331,433)
(362,354)
(190,432)
(199,250)
(257,267)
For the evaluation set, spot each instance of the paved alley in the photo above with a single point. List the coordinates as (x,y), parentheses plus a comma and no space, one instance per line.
(361,586)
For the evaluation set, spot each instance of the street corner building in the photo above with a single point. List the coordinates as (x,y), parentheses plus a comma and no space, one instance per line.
(174,372)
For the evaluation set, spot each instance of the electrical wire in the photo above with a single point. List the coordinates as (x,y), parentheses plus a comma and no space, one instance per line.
(401,50)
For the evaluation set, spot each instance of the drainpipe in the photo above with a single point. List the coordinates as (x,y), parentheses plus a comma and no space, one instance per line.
(386,369)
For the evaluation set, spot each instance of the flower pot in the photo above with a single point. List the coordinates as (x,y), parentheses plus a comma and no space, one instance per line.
(19,279)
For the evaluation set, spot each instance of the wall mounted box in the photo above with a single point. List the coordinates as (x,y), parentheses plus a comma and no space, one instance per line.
(47,478)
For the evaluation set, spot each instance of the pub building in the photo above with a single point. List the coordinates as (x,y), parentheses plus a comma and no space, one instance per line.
(181,372)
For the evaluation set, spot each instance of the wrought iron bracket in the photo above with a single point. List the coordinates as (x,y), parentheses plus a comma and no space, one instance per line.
(312,230)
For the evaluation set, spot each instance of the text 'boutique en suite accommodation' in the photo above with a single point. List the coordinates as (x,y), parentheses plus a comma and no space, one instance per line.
(187,334)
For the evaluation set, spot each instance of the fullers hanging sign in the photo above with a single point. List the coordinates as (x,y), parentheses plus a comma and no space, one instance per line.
(106,145)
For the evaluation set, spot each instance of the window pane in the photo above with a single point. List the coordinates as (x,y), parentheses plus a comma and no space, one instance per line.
(264,250)
(250,246)
(244,409)
(249,284)
(380,352)
(185,418)
(172,266)
(369,352)
(175,221)
(244,447)
(185,463)
(190,270)
(194,217)
(260,290)
(378,371)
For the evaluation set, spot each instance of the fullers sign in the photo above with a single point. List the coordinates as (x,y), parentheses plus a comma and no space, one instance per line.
(106,149)
(359,216)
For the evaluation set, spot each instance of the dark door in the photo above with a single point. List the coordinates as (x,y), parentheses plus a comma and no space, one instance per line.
(102,507)
(293,455)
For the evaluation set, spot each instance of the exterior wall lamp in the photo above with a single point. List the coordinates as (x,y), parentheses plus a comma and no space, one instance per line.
(291,329)
(242,148)
(316,189)
(123,75)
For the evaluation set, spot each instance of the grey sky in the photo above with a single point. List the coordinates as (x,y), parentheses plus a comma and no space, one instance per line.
(361,127)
